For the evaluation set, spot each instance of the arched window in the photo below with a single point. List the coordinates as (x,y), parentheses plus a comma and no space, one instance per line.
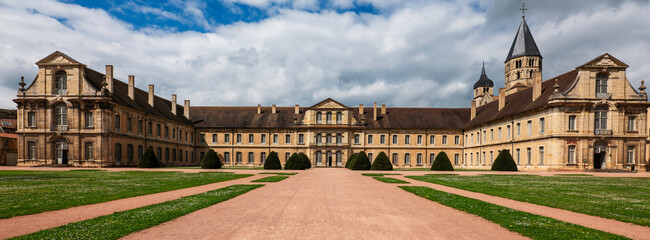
(601,118)
(339,117)
(318,138)
(60,82)
(329,117)
(61,114)
(339,138)
(601,83)
(518,75)
(531,62)
(328,138)
(530,74)
(319,117)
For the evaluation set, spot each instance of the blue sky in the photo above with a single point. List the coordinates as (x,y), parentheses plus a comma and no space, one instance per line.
(416,53)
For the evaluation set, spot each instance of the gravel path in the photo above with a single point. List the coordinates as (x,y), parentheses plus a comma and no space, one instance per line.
(328,204)
(603,224)
(21,225)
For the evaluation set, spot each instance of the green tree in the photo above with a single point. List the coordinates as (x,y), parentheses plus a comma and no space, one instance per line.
(350,160)
(305,160)
(148,160)
(442,163)
(361,162)
(504,162)
(272,161)
(381,163)
(295,162)
(211,160)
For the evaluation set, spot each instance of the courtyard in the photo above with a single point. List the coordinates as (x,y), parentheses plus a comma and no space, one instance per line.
(320,203)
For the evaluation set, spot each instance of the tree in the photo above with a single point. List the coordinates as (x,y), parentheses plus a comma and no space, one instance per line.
(504,162)
(211,160)
(350,160)
(305,160)
(361,162)
(381,163)
(148,160)
(442,163)
(295,162)
(272,161)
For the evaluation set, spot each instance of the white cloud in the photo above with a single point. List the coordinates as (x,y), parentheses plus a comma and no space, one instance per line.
(425,54)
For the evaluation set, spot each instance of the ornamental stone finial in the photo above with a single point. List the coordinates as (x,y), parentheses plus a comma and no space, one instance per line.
(642,87)
(556,87)
(22,84)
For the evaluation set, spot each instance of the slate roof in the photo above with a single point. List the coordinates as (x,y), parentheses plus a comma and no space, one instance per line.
(162,107)
(483,80)
(524,44)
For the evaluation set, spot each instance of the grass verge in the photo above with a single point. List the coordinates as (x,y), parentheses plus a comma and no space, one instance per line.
(120,224)
(271,179)
(526,224)
(379,174)
(389,180)
(280,173)
(243,167)
(30,192)
(623,199)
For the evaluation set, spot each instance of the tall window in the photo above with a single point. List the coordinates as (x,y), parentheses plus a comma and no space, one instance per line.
(60,83)
(356,138)
(61,114)
(630,154)
(419,140)
(529,155)
(395,159)
(287,139)
(370,157)
(226,138)
(499,132)
(456,158)
(530,127)
(167,132)
(287,155)
(263,138)
(262,157)
(419,159)
(214,139)
(328,117)
(407,158)
(491,134)
(491,157)
(275,139)
(542,125)
(158,130)
(407,139)
(159,151)
(518,129)
(432,139)
(319,117)
(167,155)
(572,122)
(339,158)
(508,131)
(457,140)
(444,139)
(139,126)
(601,83)
(251,157)
(319,158)
(251,138)
(339,138)
(301,138)
(382,139)
(140,151)
(518,156)
(339,117)
(117,122)
(572,154)
(394,139)
(432,158)
(238,159)
(149,128)
(226,157)
(601,118)
(31,119)
(238,138)
(88,151)
(631,123)
(173,155)
(319,138)
(541,156)
(129,124)
(202,138)
(118,152)
(31,150)
(129,153)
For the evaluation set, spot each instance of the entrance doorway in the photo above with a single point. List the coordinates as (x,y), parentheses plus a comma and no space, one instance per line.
(61,152)
(328,159)
(600,149)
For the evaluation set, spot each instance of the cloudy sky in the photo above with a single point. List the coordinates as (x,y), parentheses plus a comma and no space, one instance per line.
(249,52)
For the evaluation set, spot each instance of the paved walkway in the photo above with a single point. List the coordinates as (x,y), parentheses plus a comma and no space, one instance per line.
(607,225)
(328,204)
(22,225)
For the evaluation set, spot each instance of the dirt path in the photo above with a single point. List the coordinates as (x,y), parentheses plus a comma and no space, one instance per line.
(607,225)
(327,204)
(22,225)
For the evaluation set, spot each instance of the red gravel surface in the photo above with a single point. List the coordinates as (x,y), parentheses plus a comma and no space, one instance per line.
(328,204)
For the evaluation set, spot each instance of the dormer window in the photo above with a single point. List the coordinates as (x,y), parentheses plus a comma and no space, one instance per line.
(60,82)
(601,83)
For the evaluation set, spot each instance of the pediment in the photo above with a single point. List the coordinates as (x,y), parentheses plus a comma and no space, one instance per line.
(58,58)
(605,61)
(329,103)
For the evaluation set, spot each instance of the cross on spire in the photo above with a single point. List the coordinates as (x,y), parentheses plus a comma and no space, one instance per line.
(523,10)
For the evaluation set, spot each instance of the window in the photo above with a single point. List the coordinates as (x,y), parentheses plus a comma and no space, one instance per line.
(370,139)
(542,125)
(201,155)
(491,134)
(319,117)
(328,138)
(456,158)
(263,138)
(572,122)
(158,132)
(601,118)
(499,132)
(238,158)
(129,124)
(88,119)
(457,140)
(631,123)
(472,138)
(432,139)
(630,154)
(395,159)
(432,158)
(407,139)
(419,140)
(31,119)
(262,157)
(518,156)
(471,158)
(541,156)
(167,133)
(407,159)
(60,83)
(238,137)
(601,83)
(356,138)
(339,138)
(444,139)
(418,159)
(328,117)
(508,131)
(571,158)
(529,156)
(382,139)
(287,155)
(275,139)
(118,152)
(202,138)
(339,158)
(140,151)
(484,136)
(518,129)
(150,128)
(491,157)
(319,138)
(251,157)
(159,151)
(226,138)
(31,150)
(370,157)
(394,139)
(129,153)
(173,155)
(61,114)
(139,126)
(226,157)
(251,138)
(530,127)
(88,151)
(287,139)
(339,117)
(301,138)
(167,155)
(214,138)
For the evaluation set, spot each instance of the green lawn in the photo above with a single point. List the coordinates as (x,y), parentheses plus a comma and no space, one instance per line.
(526,224)
(623,199)
(271,179)
(379,174)
(120,224)
(280,173)
(389,180)
(29,192)
(243,167)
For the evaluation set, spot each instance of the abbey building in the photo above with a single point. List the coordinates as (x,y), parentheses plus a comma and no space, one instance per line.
(590,117)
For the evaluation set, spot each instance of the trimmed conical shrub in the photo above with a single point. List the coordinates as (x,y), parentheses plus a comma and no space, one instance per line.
(305,160)
(350,160)
(381,163)
(504,162)
(272,161)
(442,163)
(294,163)
(148,160)
(361,162)
(211,160)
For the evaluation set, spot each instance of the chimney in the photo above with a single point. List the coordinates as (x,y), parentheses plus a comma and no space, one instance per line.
(383,109)
(273,108)
(537,87)
(259,108)
(151,94)
(174,104)
(502,98)
(361,109)
(296,109)
(109,77)
(132,87)
(374,111)
(473,111)
(186,109)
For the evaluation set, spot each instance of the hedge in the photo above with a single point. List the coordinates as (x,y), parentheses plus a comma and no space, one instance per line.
(272,161)
(305,160)
(295,162)
(148,160)
(442,163)
(211,160)
(504,162)
(361,162)
(350,159)
(381,163)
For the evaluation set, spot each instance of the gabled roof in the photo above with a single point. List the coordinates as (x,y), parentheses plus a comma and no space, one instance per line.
(605,60)
(524,44)
(328,100)
(56,54)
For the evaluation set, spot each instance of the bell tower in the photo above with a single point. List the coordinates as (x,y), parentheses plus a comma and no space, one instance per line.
(523,66)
